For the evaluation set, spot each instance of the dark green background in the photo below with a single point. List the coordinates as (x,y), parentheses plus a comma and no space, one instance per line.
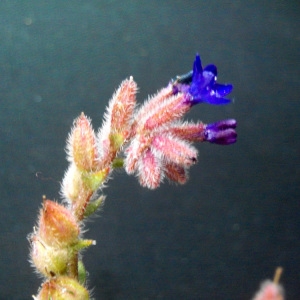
(237,218)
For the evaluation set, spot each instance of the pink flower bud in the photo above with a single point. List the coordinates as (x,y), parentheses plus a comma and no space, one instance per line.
(81,145)
(122,106)
(168,110)
(116,128)
(173,150)
(150,170)
(190,132)
(134,152)
(155,104)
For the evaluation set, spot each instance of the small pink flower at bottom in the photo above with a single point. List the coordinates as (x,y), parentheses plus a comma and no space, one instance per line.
(270,290)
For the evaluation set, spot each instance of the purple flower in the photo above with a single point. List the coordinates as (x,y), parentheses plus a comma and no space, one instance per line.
(222,132)
(201,84)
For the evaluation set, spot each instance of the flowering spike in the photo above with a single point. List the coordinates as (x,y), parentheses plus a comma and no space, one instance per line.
(152,142)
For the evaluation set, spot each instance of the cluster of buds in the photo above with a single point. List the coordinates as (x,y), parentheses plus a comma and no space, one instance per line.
(161,142)
(55,246)
(152,142)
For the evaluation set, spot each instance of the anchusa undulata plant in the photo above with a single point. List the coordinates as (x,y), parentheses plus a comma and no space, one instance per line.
(151,141)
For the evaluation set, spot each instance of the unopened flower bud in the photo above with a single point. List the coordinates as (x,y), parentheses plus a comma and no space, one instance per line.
(222,132)
(48,260)
(188,131)
(150,170)
(57,225)
(62,288)
(167,110)
(79,186)
(81,146)
(117,127)
(122,106)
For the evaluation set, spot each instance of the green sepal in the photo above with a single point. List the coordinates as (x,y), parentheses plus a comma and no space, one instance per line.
(94,179)
(116,140)
(81,272)
(93,206)
(118,162)
(81,244)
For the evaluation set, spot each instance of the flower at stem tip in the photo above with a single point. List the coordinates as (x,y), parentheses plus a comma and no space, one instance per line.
(201,85)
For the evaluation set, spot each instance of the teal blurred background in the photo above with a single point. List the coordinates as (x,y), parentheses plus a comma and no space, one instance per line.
(237,218)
